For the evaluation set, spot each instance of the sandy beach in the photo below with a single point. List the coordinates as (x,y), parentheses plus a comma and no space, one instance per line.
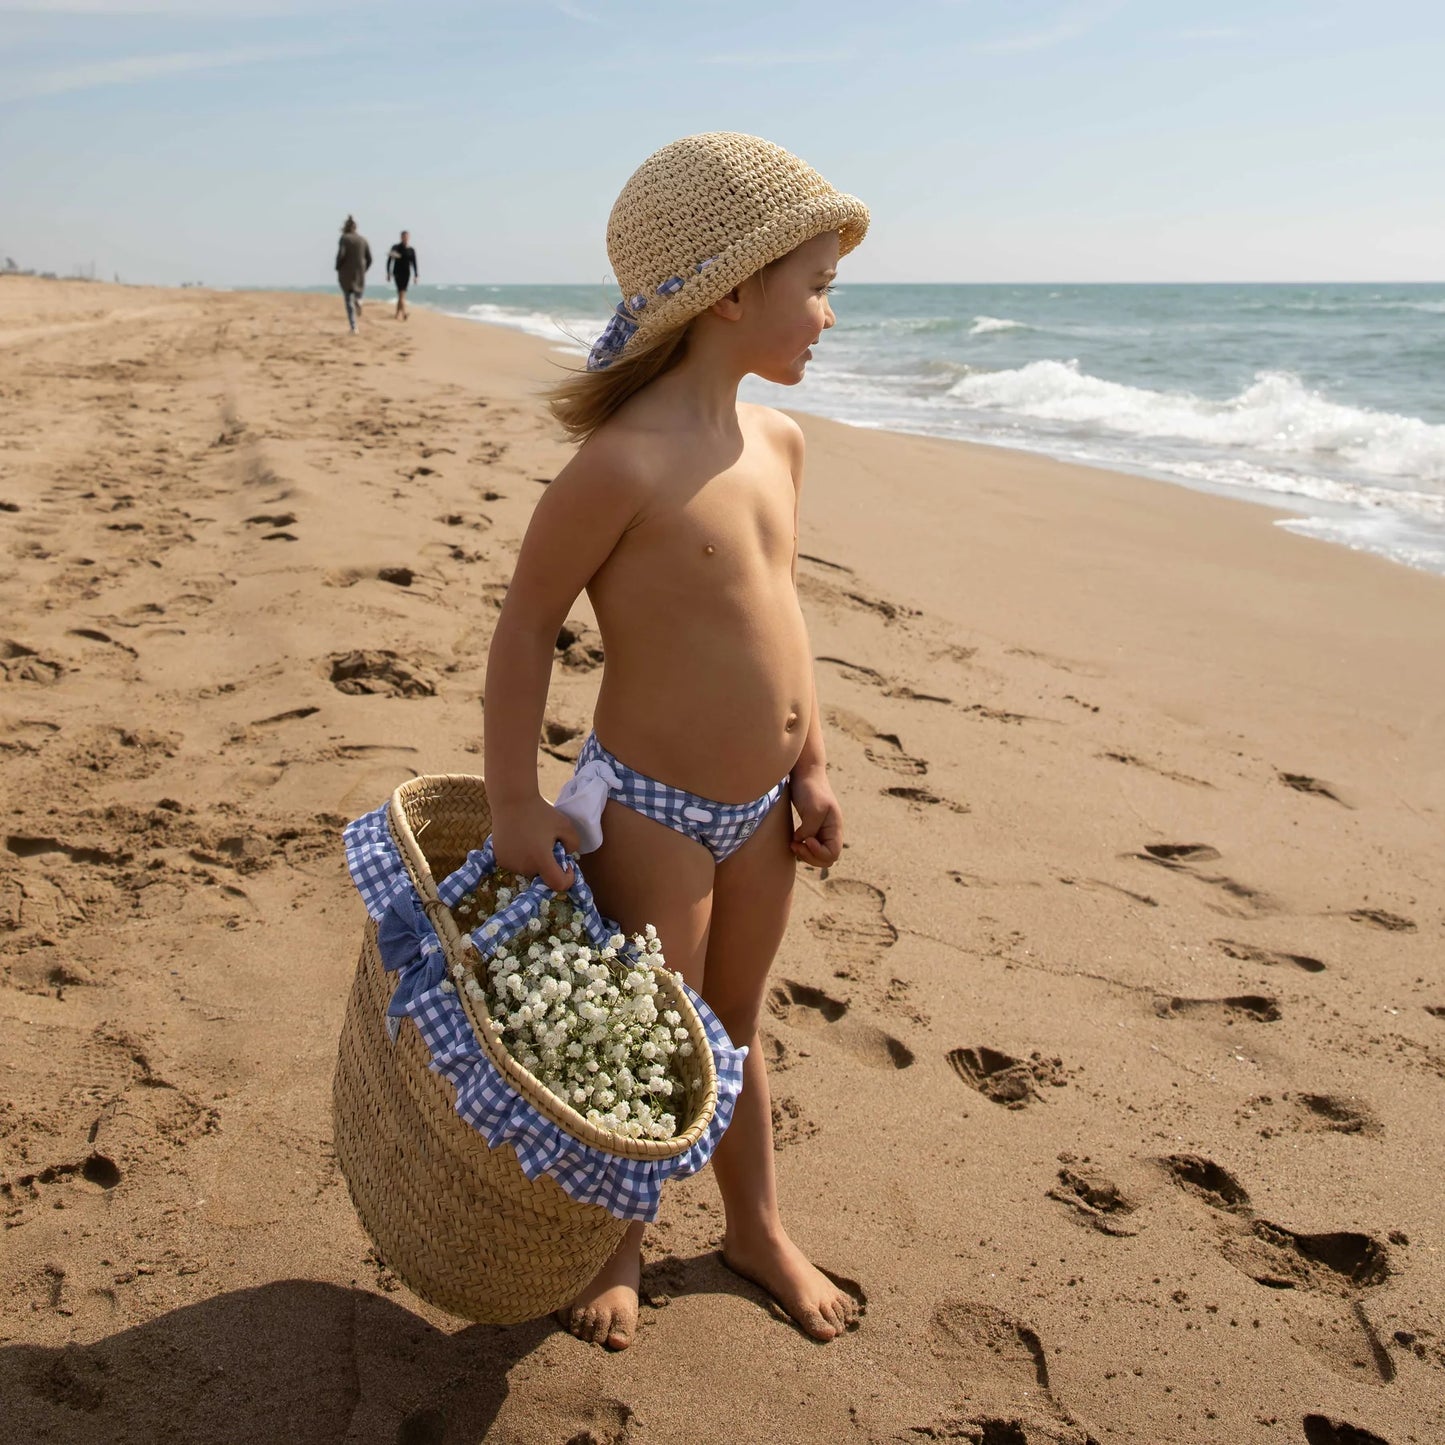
(1109,1063)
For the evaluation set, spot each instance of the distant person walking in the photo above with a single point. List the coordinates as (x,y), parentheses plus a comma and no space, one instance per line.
(353,261)
(401,268)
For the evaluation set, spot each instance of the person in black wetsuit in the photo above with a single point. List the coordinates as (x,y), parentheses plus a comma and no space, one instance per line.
(401,268)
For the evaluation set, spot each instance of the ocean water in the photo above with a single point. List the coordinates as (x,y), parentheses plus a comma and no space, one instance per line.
(1326,401)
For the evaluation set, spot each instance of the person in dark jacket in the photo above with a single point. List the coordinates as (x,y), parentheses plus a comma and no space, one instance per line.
(402,268)
(353,261)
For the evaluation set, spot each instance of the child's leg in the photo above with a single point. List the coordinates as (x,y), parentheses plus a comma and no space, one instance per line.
(643,873)
(752,896)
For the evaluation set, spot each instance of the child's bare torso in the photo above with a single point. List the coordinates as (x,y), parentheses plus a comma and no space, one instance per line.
(708,677)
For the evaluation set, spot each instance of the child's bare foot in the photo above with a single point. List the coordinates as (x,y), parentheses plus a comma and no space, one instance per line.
(605,1313)
(774,1263)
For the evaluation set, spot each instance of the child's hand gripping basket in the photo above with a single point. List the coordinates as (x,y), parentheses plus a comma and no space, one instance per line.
(485,1192)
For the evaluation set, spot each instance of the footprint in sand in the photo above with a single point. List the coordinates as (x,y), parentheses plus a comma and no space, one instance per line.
(1281,1258)
(1303,783)
(1095,1199)
(883,750)
(562,740)
(778,1057)
(924,799)
(994,714)
(380,672)
(1208,1182)
(1095,884)
(477,521)
(1003,1078)
(1243,901)
(1311,1114)
(1379,918)
(828,594)
(791,1125)
(872,678)
(26,735)
(579,647)
(117,752)
(1258,1007)
(1173,853)
(999,1367)
(1270,957)
(603,1422)
(801,1006)
(887,753)
(350,576)
(118,1117)
(824,562)
(854,928)
(1130,760)
(1272,1254)
(1322,1430)
(1059,664)
(1337,1265)
(19,663)
(104,639)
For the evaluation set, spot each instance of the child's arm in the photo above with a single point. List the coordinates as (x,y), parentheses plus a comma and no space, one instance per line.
(818,838)
(573,531)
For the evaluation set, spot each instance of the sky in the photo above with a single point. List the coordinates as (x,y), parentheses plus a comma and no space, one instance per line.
(224,141)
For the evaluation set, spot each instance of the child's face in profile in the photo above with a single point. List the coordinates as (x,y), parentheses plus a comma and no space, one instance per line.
(787,310)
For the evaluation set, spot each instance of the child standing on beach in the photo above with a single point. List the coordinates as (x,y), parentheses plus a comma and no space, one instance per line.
(679,516)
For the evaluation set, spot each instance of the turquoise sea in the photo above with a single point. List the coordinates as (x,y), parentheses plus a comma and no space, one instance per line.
(1325,400)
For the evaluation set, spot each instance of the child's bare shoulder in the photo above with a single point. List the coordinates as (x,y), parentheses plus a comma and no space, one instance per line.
(615,462)
(780,431)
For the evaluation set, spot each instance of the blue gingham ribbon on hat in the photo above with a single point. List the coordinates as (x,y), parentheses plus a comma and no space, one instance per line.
(623,323)
(410,948)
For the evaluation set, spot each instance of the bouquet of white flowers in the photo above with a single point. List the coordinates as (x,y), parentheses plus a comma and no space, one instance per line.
(582,1020)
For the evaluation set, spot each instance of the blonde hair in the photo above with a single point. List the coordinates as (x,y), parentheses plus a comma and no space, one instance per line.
(583,400)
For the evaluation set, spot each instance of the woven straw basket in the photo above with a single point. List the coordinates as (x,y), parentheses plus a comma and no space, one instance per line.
(459,1222)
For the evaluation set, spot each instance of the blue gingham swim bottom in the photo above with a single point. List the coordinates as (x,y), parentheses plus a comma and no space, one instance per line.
(721,828)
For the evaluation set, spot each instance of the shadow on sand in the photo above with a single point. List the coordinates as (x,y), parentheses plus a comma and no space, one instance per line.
(294,1361)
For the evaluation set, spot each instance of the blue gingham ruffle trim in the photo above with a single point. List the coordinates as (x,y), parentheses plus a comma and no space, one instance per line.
(626,1188)
(623,323)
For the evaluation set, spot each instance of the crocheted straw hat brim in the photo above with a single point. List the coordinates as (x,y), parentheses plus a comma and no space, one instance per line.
(745,257)
(703,214)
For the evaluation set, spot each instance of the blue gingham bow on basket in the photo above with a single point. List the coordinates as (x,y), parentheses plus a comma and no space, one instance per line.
(410,948)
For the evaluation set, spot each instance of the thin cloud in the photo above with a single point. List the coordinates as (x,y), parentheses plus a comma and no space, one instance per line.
(1069,26)
(138,69)
(759,60)
(576,12)
(198,9)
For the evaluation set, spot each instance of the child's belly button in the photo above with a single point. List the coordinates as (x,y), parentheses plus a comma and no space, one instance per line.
(791,723)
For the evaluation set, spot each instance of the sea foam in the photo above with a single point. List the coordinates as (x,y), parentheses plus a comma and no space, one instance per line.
(1276,414)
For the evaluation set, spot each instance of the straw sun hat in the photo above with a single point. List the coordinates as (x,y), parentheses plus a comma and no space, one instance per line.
(703,214)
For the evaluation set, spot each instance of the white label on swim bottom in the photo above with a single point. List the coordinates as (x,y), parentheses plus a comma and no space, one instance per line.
(697,815)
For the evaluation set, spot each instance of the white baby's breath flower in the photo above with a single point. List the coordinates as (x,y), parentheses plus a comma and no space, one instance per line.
(583,1019)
